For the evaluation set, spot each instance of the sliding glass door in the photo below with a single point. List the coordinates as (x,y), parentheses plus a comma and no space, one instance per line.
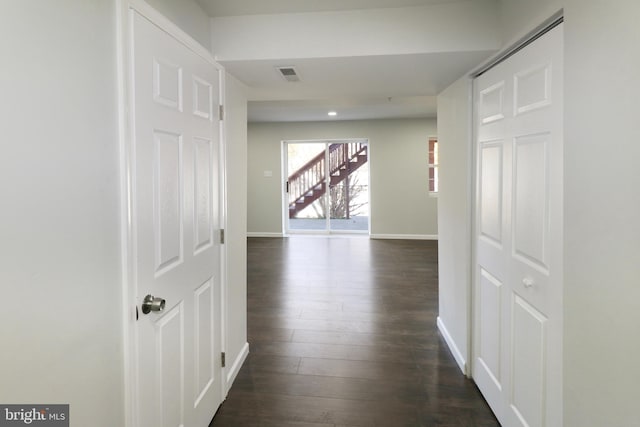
(327,188)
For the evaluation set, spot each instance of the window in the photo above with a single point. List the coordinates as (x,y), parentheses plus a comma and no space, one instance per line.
(433,165)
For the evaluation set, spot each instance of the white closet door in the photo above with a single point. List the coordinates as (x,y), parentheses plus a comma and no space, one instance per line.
(517,360)
(176,215)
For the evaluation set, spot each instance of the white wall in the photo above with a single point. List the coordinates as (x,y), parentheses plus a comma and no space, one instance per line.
(189,16)
(236,232)
(518,17)
(61,316)
(454,217)
(264,194)
(602,213)
(400,202)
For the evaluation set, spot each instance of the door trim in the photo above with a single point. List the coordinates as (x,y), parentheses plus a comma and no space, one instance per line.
(124,8)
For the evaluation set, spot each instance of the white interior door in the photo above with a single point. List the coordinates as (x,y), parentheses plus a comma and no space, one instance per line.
(517,360)
(176,216)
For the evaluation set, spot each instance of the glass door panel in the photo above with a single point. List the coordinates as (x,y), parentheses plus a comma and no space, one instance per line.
(306,186)
(349,187)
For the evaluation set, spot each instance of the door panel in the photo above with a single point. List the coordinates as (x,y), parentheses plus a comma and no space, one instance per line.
(531,200)
(528,363)
(492,105)
(518,241)
(491,191)
(306,186)
(202,98)
(176,169)
(167,201)
(170,367)
(204,346)
(532,89)
(202,194)
(490,327)
(167,83)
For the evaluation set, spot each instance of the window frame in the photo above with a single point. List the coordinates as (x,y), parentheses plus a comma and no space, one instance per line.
(433,183)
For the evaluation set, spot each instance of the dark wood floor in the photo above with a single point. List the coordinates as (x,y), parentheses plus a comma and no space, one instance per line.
(343,333)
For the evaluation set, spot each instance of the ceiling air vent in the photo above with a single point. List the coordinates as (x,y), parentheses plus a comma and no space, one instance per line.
(289,74)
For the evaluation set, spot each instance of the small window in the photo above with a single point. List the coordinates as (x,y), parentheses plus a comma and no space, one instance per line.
(433,165)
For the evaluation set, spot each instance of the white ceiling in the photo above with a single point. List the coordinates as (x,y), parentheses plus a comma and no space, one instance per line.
(357,87)
(347,109)
(362,76)
(217,8)
(368,87)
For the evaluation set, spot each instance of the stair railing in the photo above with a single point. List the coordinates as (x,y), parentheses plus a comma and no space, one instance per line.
(311,176)
(308,177)
(341,154)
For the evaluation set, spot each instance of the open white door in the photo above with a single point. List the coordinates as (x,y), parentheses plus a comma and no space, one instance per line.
(517,360)
(176,216)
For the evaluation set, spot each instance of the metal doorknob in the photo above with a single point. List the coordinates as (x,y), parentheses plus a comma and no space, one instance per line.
(152,303)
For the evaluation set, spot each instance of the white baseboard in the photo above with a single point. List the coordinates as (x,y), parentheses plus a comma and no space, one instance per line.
(460,359)
(405,236)
(232,372)
(260,234)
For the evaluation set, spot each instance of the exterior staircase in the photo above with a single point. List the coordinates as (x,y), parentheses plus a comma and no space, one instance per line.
(309,183)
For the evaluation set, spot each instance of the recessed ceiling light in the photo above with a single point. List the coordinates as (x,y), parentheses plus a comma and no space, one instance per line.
(332,113)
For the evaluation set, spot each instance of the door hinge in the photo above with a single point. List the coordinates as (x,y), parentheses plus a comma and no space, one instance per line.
(221,112)
(222,236)
(223,358)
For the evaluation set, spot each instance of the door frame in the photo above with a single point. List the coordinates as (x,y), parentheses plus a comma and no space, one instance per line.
(126,130)
(285,174)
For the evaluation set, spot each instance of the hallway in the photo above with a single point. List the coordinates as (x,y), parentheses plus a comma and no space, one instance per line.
(343,333)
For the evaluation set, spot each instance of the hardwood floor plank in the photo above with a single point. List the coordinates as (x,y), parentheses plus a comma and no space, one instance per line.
(259,333)
(353,338)
(356,369)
